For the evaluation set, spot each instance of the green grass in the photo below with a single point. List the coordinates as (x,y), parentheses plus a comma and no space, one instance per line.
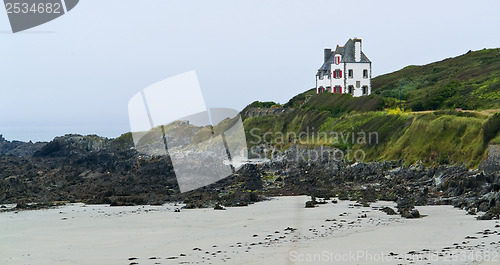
(436,138)
(469,81)
(432,138)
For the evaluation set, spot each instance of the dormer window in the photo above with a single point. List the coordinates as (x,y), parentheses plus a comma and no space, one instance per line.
(337,59)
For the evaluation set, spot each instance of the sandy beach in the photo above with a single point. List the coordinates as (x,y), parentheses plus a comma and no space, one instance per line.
(278,231)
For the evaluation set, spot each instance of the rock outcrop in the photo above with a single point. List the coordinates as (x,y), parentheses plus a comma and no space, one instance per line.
(18,148)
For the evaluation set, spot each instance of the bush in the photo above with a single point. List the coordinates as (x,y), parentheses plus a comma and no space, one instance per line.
(266,104)
(435,98)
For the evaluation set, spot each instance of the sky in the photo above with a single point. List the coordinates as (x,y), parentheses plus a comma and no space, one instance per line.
(76,74)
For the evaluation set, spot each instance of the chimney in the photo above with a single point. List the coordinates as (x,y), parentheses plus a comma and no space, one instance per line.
(357,49)
(328,52)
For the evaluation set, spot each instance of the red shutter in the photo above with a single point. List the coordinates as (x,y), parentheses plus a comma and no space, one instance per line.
(340,89)
(340,74)
(334,74)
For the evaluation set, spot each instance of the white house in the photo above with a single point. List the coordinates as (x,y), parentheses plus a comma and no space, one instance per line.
(345,70)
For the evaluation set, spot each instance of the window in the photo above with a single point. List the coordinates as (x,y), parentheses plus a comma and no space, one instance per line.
(337,90)
(358,84)
(337,59)
(365,90)
(337,73)
(350,89)
(350,73)
(365,73)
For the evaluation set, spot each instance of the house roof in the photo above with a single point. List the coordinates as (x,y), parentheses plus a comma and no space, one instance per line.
(347,52)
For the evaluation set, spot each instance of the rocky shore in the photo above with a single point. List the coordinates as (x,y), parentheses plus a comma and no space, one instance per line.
(97,170)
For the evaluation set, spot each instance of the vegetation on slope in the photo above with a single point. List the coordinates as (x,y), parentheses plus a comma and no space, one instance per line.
(469,81)
(442,137)
(432,138)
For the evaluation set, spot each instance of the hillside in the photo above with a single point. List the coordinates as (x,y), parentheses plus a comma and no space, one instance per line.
(469,81)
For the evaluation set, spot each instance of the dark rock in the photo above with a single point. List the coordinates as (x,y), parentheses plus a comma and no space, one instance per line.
(487,216)
(219,207)
(388,210)
(310,204)
(483,207)
(414,214)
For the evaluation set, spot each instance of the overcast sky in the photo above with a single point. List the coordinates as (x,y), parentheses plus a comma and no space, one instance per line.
(77,73)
